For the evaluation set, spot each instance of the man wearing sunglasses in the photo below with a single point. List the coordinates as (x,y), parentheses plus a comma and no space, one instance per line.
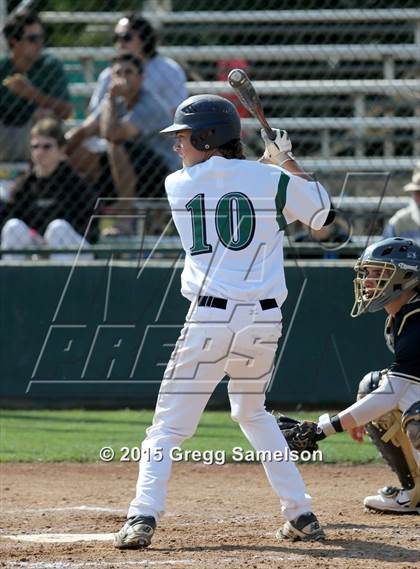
(163,77)
(32,85)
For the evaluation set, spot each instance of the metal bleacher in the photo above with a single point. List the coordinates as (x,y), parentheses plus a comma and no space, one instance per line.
(398,81)
(322,92)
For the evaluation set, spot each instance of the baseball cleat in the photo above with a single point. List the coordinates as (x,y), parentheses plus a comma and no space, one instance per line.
(304,528)
(136,533)
(391,500)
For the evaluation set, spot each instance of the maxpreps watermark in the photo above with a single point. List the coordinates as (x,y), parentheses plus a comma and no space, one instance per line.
(209,456)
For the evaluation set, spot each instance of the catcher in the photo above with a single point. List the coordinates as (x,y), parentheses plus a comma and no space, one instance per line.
(388,401)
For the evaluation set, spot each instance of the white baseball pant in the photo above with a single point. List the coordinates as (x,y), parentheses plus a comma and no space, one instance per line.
(59,234)
(240,341)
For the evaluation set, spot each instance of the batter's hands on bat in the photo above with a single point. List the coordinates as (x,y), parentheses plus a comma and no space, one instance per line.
(276,151)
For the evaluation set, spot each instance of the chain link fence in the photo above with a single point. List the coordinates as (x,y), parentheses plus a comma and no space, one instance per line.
(86,86)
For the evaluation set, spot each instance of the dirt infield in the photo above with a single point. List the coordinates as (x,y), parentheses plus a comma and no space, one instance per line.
(218,516)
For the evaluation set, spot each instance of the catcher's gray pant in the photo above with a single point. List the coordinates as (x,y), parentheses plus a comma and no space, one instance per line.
(240,341)
(392,393)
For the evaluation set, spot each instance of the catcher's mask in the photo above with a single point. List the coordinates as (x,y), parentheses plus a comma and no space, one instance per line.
(212,120)
(384,271)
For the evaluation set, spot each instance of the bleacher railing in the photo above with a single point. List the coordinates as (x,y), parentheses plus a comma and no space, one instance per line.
(344,83)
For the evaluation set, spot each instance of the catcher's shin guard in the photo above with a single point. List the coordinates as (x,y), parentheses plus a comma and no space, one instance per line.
(392,455)
(393,444)
(410,422)
(392,436)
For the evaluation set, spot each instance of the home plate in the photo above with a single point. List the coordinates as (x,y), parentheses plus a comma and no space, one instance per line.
(61,537)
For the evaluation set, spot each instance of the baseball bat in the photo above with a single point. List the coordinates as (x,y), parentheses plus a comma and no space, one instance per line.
(241,84)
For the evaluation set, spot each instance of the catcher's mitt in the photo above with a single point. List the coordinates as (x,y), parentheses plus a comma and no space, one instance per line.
(300,435)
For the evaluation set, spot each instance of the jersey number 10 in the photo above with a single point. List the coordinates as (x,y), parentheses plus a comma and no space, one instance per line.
(234,218)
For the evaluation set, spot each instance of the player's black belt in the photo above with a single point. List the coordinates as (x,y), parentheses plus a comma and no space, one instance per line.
(268,303)
(214,302)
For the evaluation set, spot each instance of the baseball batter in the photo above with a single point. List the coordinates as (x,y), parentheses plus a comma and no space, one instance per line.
(230,214)
(388,276)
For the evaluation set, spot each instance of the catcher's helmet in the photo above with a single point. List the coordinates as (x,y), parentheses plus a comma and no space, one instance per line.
(213,121)
(391,266)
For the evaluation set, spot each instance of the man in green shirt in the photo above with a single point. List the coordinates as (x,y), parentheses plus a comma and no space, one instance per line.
(32,85)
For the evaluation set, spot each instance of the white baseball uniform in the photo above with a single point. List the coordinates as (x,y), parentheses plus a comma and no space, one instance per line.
(230,215)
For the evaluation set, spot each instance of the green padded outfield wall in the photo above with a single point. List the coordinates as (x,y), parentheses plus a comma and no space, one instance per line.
(100,335)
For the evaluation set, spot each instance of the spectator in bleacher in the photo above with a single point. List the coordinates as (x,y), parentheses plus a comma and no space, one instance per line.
(32,85)
(52,204)
(406,221)
(129,118)
(163,77)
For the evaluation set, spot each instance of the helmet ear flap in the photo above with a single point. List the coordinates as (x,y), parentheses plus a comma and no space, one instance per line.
(202,140)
